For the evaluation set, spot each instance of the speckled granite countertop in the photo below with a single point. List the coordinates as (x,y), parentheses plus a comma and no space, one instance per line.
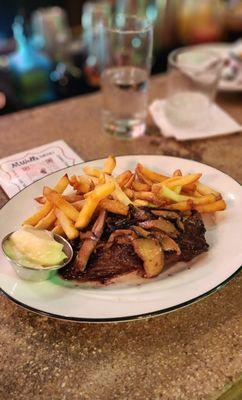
(191,354)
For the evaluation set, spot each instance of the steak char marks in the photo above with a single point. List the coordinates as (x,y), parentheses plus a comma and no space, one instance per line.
(118,257)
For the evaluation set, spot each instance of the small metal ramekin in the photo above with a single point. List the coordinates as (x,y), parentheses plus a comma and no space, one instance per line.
(41,273)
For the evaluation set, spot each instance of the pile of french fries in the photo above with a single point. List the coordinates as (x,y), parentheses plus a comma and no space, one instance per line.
(67,214)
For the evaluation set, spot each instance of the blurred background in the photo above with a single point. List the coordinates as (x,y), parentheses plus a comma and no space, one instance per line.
(52,50)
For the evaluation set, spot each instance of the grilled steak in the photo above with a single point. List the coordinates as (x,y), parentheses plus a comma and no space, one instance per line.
(181,235)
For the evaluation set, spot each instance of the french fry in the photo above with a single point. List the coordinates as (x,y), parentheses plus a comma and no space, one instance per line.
(35,218)
(82,184)
(151,175)
(149,196)
(94,180)
(118,193)
(39,215)
(57,200)
(92,171)
(102,191)
(66,224)
(109,165)
(85,183)
(139,186)
(98,194)
(197,194)
(177,172)
(181,206)
(40,199)
(170,194)
(181,180)
(204,189)
(190,187)
(71,198)
(140,203)
(114,206)
(156,188)
(86,213)
(123,178)
(101,179)
(47,222)
(129,193)
(144,203)
(218,205)
(130,181)
(207,199)
(86,195)
(79,204)
(177,189)
(58,230)
(62,184)
(143,178)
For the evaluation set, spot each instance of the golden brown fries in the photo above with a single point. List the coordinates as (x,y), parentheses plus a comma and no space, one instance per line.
(204,189)
(150,175)
(130,181)
(177,172)
(140,187)
(170,194)
(79,204)
(123,178)
(218,205)
(129,193)
(143,178)
(58,201)
(47,222)
(142,195)
(58,230)
(182,205)
(62,184)
(114,206)
(82,184)
(68,213)
(181,180)
(71,198)
(66,224)
(109,165)
(99,193)
(92,171)
(141,203)
(35,218)
(86,213)
(189,188)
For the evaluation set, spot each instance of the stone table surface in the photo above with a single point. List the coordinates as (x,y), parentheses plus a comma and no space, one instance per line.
(191,354)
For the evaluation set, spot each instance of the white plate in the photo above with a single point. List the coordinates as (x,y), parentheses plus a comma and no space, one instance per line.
(223,50)
(180,286)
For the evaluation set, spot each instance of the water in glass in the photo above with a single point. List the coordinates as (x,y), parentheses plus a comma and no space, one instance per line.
(124,101)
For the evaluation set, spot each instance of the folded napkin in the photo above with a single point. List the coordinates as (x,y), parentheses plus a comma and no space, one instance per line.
(219,123)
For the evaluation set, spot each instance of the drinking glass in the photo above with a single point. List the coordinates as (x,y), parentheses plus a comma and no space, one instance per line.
(129,41)
(193,75)
(94,16)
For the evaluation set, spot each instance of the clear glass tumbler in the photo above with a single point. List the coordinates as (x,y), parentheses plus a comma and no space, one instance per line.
(94,17)
(129,41)
(193,75)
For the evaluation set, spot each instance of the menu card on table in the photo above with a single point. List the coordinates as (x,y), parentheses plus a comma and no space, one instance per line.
(21,169)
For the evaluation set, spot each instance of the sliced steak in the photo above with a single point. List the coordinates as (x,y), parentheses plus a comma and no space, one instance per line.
(108,262)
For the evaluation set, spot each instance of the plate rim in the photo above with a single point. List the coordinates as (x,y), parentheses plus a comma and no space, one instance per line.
(131,317)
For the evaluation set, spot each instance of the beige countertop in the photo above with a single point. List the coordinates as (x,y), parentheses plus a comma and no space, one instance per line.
(191,354)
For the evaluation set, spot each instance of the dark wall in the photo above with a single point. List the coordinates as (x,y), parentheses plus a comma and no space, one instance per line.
(9,8)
